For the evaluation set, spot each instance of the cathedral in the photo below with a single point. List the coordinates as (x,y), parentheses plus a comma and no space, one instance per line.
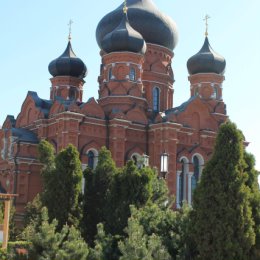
(133,116)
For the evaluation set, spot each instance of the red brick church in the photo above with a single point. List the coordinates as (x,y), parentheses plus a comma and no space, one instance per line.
(133,117)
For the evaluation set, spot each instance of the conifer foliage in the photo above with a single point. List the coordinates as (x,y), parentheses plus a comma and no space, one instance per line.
(62,177)
(47,243)
(109,192)
(252,183)
(96,192)
(221,221)
(139,245)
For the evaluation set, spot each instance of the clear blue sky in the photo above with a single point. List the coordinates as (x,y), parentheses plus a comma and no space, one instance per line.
(35,32)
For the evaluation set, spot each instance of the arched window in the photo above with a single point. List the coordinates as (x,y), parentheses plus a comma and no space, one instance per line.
(110,74)
(91,157)
(196,173)
(132,75)
(137,158)
(156,99)
(181,183)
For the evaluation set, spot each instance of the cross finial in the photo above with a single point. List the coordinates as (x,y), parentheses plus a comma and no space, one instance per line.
(69,24)
(125,7)
(207,25)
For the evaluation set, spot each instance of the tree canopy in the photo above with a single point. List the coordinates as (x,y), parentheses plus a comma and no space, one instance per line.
(62,178)
(222,223)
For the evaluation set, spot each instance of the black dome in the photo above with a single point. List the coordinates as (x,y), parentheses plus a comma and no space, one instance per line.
(206,61)
(154,26)
(68,64)
(124,38)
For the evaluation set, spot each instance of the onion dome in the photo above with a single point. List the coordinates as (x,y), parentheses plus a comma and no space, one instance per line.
(154,26)
(68,64)
(206,61)
(124,38)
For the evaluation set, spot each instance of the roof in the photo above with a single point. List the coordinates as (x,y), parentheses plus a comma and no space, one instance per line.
(124,38)
(24,135)
(68,64)
(42,104)
(155,26)
(181,108)
(206,61)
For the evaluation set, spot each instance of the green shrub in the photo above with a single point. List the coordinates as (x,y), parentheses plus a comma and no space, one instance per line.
(3,254)
(17,250)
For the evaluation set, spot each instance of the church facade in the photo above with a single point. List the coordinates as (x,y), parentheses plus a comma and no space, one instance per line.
(134,115)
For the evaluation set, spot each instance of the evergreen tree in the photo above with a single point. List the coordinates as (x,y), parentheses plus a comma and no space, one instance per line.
(47,158)
(138,246)
(221,221)
(47,243)
(67,191)
(110,191)
(62,177)
(170,226)
(252,183)
(105,246)
(33,210)
(97,185)
(130,186)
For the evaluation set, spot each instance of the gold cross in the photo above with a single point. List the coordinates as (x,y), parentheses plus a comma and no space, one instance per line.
(69,24)
(125,7)
(207,25)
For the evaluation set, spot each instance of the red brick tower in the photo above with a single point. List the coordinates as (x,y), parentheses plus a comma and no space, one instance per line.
(206,69)
(120,81)
(160,34)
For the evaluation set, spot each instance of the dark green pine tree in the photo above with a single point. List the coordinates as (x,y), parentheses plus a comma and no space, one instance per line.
(47,243)
(222,224)
(96,193)
(67,191)
(139,246)
(130,186)
(62,178)
(252,183)
(47,158)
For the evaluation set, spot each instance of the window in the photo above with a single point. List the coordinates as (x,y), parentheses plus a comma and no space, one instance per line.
(72,93)
(91,157)
(196,173)
(181,183)
(137,158)
(134,158)
(156,98)
(196,92)
(58,92)
(132,74)
(215,93)
(110,74)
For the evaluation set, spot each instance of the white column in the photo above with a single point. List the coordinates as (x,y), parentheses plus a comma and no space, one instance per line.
(178,190)
(190,174)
